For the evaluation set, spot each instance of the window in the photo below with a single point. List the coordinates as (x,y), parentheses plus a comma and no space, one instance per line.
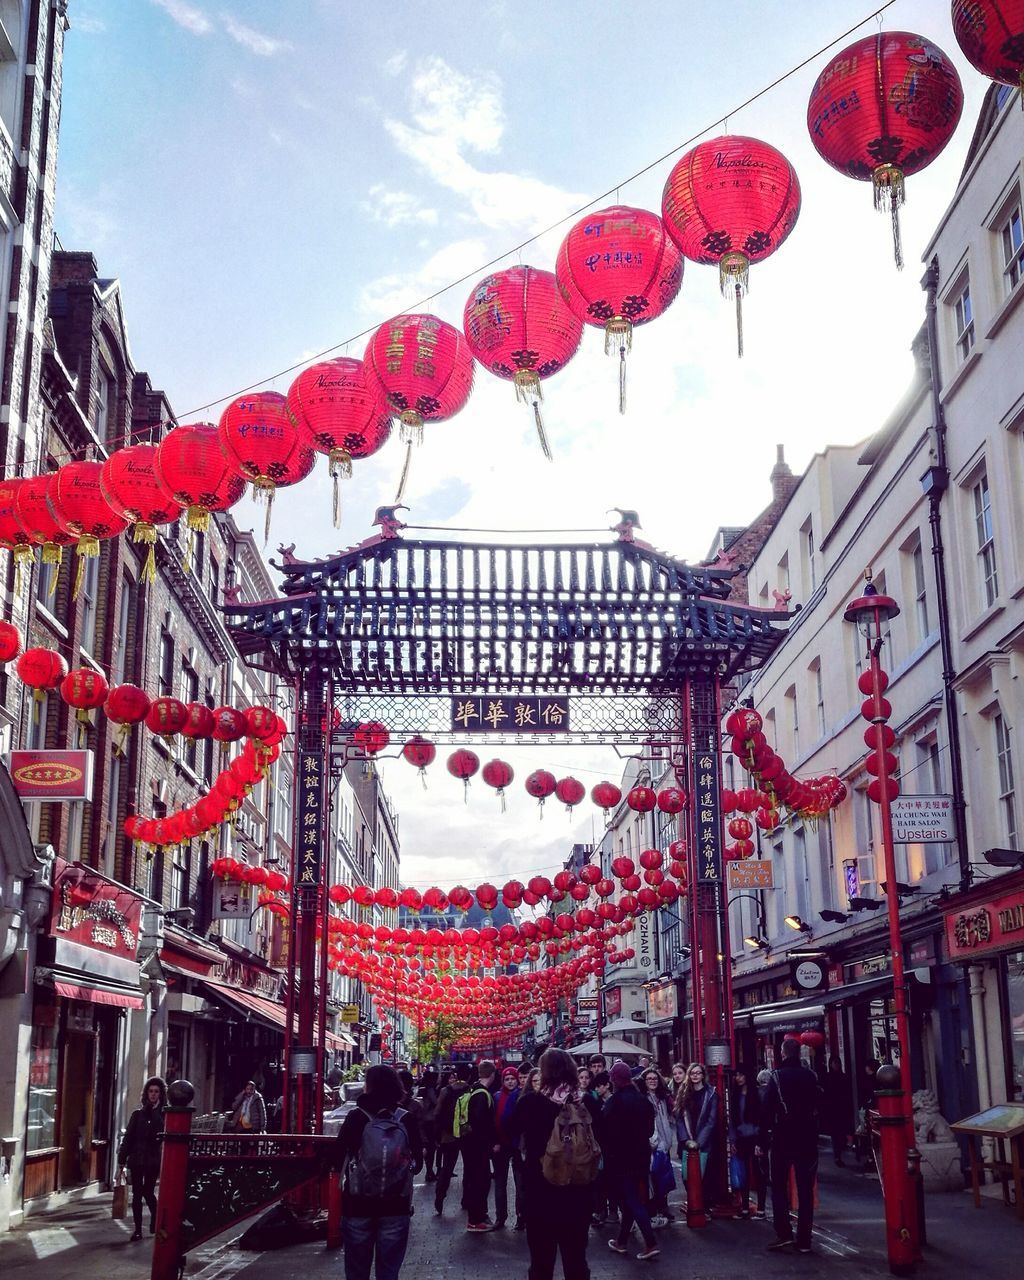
(214,581)
(920,593)
(1011,238)
(783,574)
(166,677)
(819,695)
(180,874)
(121,637)
(1004,760)
(190,693)
(111,825)
(826,863)
(778,897)
(867,873)
(985,541)
(810,567)
(104,396)
(799,899)
(794,720)
(963,323)
(88,596)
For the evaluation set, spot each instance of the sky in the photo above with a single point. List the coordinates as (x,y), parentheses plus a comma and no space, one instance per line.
(270,180)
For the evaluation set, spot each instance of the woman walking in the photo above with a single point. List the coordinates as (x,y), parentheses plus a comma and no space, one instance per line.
(249,1111)
(662,1179)
(557,1216)
(139,1151)
(696,1111)
(745,1112)
(838,1107)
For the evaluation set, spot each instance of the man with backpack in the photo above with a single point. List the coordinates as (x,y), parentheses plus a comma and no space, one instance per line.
(379,1151)
(789,1127)
(474,1128)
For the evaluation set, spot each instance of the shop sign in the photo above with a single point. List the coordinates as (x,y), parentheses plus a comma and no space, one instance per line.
(613,1003)
(587,1002)
(94,912)
(231,901)
(510,715)
(873,967)
(350,1013)
(661,1002)
(645,957)
(810,974)
(927,819)
(707,817)
(51,775)
(309,819)
(754,874)
(984,927)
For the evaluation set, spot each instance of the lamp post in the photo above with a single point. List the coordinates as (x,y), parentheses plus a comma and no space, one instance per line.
(900,1158)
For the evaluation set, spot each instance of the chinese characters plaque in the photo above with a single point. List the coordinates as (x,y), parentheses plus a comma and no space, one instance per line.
(311,799)
(707,817)
(510,715)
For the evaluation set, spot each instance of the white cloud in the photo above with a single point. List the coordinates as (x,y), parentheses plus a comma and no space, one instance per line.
(396,64)
(454,108)
(397,208)
(255,41)
(86,23)
(392,294)
(186,15)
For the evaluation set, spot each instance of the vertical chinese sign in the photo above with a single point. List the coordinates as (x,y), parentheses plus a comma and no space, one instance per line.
(311,799)
(707,817)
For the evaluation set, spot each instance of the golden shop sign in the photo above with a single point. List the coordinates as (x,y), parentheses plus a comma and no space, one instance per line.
(51,775)
(985,927)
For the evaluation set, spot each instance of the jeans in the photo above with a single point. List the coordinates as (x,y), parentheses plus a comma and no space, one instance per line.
(631,1194)
(362,1236)
(507,1156)
(143,1183)
(804,1164)
(447,1159)
(558,1222)
(476,1173)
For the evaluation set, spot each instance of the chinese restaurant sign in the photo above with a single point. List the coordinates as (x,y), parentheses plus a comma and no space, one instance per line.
(707,817)
(995,925)
(52,775)
(754,874)
(231,901)
(310,819)
(510,715)
(94,912)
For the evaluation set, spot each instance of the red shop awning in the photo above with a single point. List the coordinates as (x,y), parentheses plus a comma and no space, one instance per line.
(98,995)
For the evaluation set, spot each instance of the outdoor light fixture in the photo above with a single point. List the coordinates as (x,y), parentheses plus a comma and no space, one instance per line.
(759,943)
(902,890)
(1004,857)
(864,904)
(795,922)
(834,917)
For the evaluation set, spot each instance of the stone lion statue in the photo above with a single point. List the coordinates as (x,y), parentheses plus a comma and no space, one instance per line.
(929,1126)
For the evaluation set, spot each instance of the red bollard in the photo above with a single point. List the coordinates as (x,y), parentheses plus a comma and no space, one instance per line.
(898,1190)
(696,1215)
(170,1205)
(332,1197)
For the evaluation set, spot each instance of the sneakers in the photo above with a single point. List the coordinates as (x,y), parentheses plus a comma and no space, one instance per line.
(480,1226)
(659,1220)
(758,1213)
(776,1245)
(803,1248)
(616,1247)
(137,1235)
(645,1255)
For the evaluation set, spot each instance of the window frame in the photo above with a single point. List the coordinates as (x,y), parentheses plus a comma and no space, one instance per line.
(964,334)
(1005,778)
(985,539)
(1010,233)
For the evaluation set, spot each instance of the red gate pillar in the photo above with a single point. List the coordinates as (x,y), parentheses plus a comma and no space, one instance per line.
(170,1205)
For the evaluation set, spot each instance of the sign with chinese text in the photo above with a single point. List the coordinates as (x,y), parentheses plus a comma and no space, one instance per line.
(661,1002)
(350,1013)
(707,817)
(94,912)
(510,715)
(922,818)
(51,775)
(810,974)
(231,901)
(753,874)
(986,926)
(309,819)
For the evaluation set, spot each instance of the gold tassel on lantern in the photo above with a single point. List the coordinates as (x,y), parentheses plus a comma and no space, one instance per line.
(121,739)
(412,427)
(198,519)
(87,549)
(891,194)
(339,467)
(734,278)
(147,535)
(263,490)
(528,390)
(618,332)
(22,555)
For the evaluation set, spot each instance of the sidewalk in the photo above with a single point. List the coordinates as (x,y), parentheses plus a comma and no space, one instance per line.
(82,1242)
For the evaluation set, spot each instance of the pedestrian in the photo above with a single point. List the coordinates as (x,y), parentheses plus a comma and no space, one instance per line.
(524,1070)
(791,1119)
(408,1101)
(762,1143)
(474,1128)
(506,1153)
(249,1111)
(627,1126)
(600,1093)
(598,1062)
(139,1151)
(533,1080)
(837,1104)
(744,1121)
(379,1149)
(662,1179)
(558,1188)
(584,1077)
(427,1092)
(643,1062)
(448,1142)
(696,1111)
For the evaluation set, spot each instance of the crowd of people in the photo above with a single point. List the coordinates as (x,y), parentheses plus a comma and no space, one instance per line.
(584,1147)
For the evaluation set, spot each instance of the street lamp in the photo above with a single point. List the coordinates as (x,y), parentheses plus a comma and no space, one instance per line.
(801,926)
(901,1172)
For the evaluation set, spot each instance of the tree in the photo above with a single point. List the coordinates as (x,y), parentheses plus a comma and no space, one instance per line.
(434,1039)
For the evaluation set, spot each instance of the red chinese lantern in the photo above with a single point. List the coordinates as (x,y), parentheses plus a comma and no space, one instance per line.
(85,690)
(740,828)
(41,670)
(10,641)
(731,200)
(606,795)
(12,535)
(261,441)
(199,723)
(570,791)
(424,369)
(339,411)
(372,737)
(642,799)
(192,468)
(991,35)
(78,505)
(518,327)
(126,705)
(498,774)
(883,109)
(540,784)
(618,268)
(463,764)
(671,800)
(229,724)
(420,753)
(260,722)
(129,485)
(35,516)
(166,716)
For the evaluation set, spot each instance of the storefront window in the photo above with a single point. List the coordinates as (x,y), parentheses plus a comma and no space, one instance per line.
(1015,1006)
(42,1081)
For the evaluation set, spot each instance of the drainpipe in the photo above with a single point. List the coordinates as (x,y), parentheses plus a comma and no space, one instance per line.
(935,482)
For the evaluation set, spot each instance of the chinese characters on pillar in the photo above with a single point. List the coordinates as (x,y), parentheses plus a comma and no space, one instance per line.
(510,715)
(309,820)
(707,817)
